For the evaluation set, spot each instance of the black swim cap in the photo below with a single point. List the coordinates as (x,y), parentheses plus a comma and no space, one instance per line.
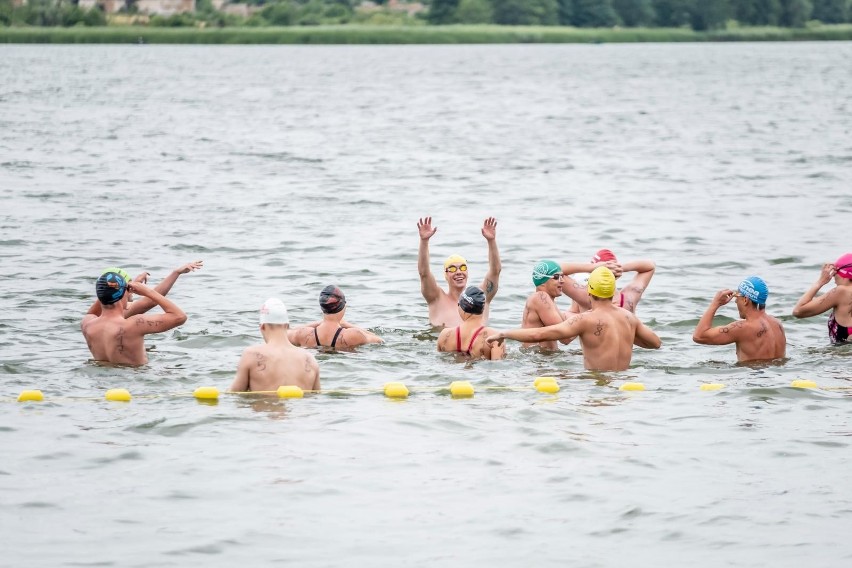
(472,300)
(332,300)
(110,287)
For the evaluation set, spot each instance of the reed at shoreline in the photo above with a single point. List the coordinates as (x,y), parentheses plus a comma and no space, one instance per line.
(354,34)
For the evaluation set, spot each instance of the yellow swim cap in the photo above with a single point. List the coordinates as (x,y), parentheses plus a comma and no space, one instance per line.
(454,259)
(602,282)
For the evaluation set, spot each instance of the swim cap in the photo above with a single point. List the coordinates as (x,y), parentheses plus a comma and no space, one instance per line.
(111,286)
(604,255)
(454,259)
(755,289)
(273,311)
(332,300)
(120,271)
(543,271)
(844,265)
(472,300)
(602,282)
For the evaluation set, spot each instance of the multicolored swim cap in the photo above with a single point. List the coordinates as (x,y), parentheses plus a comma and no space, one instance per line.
(472,300)
(120,271)
(332,300)
(544,271)
(755,289)
(454,259)
(111,285)
(844,266)
(273,311)
(602,282)
(604,255)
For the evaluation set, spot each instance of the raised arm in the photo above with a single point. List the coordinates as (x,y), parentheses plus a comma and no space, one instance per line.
(492,278)
(720,335)
(159,323)
(164,287)
(808,305)
(579,293)
(428,286)
(241,380)
(644,272)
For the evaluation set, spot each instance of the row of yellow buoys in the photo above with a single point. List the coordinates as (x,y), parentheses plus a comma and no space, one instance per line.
(396,390)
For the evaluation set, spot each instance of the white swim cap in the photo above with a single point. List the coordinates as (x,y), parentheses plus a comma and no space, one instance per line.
(274,311)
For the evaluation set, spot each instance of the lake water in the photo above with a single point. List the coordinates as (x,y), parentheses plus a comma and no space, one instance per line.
(288,168)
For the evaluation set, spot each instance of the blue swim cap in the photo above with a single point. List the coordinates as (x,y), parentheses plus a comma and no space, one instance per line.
(755,289)
(111,286)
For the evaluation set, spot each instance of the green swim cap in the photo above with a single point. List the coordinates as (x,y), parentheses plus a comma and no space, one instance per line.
(543,271)
(121,272)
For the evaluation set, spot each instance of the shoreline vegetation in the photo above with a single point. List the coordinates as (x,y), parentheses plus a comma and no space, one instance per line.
(448,34)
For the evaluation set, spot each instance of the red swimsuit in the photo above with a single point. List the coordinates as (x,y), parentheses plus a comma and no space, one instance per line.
(469,345)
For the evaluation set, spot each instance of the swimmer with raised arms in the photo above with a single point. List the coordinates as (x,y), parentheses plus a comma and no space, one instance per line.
(443,305)
(838,300)
(114,338)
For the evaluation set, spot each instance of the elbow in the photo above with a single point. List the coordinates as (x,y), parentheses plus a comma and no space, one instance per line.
(180,319)
(797,312)
(697,338)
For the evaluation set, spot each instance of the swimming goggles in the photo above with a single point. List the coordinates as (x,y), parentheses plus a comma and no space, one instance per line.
(453,268)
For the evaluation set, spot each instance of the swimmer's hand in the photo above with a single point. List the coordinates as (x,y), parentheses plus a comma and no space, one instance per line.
(615,267)
(424,226)
(498,337)
(139,288)
(190,267)
(489,229)
(722,297)
(142,277)
(828,272)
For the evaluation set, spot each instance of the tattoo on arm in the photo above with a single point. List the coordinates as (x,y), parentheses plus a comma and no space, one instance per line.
(489,286)
(728,328)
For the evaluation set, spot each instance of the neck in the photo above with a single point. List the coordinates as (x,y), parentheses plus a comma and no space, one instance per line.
(333,318)
(277,336)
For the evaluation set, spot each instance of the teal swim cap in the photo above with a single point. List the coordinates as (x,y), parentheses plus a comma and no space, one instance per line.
(544,271)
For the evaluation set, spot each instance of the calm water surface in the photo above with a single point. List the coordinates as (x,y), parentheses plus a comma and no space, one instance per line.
(288,168)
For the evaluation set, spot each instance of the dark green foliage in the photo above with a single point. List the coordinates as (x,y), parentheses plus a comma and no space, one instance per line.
(635,13)
(672,13)
(474,12)
(795,13)
(831,11)
(566,11)
(757,12)
(709,14)
(526,12)
(442,11)
(594,14)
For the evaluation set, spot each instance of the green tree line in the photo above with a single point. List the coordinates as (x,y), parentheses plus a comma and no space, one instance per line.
(697,14)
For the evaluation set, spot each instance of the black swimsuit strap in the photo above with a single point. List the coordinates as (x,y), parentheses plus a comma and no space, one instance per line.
(316,336)
(336,335)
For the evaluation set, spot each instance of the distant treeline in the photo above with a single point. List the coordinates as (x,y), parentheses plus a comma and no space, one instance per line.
(699,15)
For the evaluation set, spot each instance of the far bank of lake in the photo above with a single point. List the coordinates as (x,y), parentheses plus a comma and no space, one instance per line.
(353,34)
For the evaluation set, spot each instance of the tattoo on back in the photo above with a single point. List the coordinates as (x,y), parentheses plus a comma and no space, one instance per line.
(599,328)
(261,362)
(763,329)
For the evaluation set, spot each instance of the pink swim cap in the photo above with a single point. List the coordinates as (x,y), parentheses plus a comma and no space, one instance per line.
(844,266)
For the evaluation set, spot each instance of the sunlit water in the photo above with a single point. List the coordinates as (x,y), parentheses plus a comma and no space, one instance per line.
(288,168)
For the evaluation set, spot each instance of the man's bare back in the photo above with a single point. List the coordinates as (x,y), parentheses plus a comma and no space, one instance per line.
(268,367)
(112,338)
(276,362)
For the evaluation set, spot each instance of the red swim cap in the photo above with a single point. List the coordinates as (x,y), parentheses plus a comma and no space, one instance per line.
(604,255)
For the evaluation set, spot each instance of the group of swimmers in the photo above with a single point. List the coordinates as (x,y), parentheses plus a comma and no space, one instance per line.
(601,315)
